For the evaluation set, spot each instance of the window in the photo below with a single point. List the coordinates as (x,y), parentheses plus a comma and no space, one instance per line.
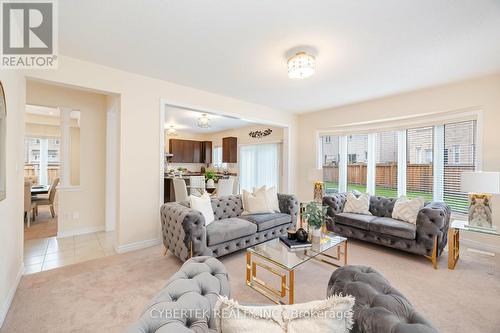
(419,167)
(460,143)
(357,152)
(259,165)
(330,158)
(42,159)
(386,164)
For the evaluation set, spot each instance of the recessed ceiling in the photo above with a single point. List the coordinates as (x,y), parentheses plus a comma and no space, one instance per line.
(187,121)
(364,49)
(48,111)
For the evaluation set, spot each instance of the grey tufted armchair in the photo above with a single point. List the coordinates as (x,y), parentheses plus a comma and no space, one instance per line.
(186,303)
(186,235)
(428,237)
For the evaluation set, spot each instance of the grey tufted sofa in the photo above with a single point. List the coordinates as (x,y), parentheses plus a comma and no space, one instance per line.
(186,302)
(379,307)
(427,237)
(186,236)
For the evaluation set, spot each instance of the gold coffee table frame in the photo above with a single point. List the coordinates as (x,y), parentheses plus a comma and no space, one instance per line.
(285,274)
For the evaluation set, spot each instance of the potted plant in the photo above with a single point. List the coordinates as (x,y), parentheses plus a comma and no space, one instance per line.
(210,177)
(315,214)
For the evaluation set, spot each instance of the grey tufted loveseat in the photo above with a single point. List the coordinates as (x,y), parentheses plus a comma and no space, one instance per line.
(379,307)
(427,237)
(186,236)
(186,303)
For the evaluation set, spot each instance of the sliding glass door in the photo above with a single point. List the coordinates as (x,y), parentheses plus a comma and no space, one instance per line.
(260,165)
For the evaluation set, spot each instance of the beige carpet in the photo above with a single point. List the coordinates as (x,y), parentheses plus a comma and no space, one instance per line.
(107,294)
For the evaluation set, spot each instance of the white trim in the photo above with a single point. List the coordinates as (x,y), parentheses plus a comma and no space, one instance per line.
(438,163)
(343,164)
(479,140)
(69,188)
(10,294)
(371,165)
(401,163)
(319,151)
(473,244)
(137,245)
(400,123)
(65,147)
(80,231)
(112,141)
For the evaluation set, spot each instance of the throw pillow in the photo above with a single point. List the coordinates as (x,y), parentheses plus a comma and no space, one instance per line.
(407,209)
(255,203)
(272,196)
(331,315)
(203,204)
(359,205)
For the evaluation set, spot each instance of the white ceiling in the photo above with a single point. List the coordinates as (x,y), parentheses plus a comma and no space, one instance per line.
(48,111)
(187,121)
(364,48)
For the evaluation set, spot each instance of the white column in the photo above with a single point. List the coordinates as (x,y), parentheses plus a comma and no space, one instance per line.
(438,163)
(112,165)
(343,164)
(401,163)
(65,169)
(44,161)
(371,165)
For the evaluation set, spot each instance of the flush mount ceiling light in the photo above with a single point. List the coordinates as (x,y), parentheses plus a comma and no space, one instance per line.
(301,65)
(204,121)
(171,131)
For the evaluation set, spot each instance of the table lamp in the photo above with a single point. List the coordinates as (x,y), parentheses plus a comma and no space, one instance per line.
(316,176)
(480,186)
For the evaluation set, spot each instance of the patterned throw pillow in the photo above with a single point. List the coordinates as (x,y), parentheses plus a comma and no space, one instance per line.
(407,209)
(359,205)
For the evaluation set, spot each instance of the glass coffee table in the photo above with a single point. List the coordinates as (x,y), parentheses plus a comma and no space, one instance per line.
(281,261)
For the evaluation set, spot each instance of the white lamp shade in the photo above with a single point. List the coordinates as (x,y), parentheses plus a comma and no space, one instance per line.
(480,182)
(316,175)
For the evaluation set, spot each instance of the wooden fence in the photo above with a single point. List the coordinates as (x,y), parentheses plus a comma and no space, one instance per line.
(419,177)
(32,171)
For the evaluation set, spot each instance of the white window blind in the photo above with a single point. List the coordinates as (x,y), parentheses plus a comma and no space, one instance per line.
(259,165)
(330,162)
(459,156)
(386,168)
(419,166)
(217,157)
(357,159)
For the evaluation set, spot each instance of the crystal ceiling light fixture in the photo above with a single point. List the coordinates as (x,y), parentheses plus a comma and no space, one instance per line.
(171,131)
(301,65)
(204,121)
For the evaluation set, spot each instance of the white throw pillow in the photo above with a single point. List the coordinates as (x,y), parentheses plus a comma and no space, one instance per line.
(407,209)
(272,196)
(331,315)
(359,205)
(255,203)
(203,204)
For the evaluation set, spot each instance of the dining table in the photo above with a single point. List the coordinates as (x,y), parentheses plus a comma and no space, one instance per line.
(40,189)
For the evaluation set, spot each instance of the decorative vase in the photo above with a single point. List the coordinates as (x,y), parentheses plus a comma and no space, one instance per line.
(210,183)
(316,234)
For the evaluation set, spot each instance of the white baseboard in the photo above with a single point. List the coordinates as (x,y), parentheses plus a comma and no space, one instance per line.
(480,245)
(138,245)
(10,295)
(80,231)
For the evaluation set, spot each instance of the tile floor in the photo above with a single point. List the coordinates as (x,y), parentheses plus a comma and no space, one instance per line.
(52,252)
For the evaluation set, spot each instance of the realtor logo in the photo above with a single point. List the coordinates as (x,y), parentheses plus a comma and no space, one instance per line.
(29,34)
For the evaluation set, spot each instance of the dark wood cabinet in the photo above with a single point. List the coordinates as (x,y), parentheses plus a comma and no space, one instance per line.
(206,152)
(230,150)
(189,151)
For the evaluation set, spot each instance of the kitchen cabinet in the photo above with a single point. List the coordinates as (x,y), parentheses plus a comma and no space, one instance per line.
(230,150)
(190,151)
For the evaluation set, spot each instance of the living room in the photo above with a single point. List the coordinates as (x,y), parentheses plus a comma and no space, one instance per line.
(387,109)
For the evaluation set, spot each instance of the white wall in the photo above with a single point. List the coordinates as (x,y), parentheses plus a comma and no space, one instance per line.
(80,209)
(482,93)
(140,98)
(11,209)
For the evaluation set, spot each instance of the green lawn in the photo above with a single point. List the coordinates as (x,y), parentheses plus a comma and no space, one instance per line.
(457,203)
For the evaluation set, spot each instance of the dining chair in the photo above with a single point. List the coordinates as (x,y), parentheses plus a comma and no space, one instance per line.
(180,190)
(197,185)
(28,205)
(225,187)
(47,201)
(236,184)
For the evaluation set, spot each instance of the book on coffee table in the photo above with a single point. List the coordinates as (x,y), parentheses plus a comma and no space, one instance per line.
(294,244)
